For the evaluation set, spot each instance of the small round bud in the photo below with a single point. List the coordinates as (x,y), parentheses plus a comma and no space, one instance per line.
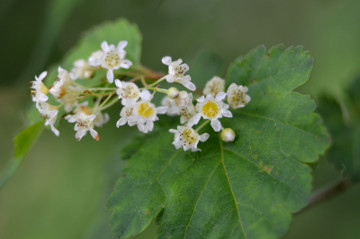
(172,92)
(227,135)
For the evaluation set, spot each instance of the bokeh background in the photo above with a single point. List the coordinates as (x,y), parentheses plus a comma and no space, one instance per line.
(61,189)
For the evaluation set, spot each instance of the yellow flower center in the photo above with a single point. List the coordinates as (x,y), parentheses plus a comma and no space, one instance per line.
(112,59)
(86,109)
(145,110)
(43,89)
(189,136)
(210,109)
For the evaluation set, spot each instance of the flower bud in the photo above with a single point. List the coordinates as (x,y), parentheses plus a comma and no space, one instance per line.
(172,92)
(227,135)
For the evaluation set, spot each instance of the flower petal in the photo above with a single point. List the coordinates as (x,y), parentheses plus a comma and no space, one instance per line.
(216,125)
(145,95)
(201,99)
(118,83)
(110,76)
(194,120)
(161,109)
(105,46)
(121,45)
(166,60)
(203,137)
(226,113)
(191,86)
(220,96)
(125,64)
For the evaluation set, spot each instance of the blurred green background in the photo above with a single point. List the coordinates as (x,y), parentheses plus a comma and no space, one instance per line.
(61,189)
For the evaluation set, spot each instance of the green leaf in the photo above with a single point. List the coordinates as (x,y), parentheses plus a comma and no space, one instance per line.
(345,150)
(245,189)
(23,142)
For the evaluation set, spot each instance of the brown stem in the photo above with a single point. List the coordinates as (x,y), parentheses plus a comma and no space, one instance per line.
(326,193)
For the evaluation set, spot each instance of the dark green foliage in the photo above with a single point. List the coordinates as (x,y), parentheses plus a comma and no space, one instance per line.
(244,189)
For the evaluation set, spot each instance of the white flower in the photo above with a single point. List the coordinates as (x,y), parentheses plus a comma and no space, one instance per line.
(65,91)
(111,58)
(236,96)
(50,113)
(84,121)
(145,113)
(81,69)
(214,86)
(187,138)
(126,116)
(127,91)
(227,135)
(39,90)
(211,108)
(177,71)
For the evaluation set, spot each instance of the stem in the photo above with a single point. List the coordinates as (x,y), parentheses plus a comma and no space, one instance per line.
(101,88)
(144,82)
(158,81)
(202,125)
(97,94)
(155,89)
(110,104)
(327,192)
(104,102)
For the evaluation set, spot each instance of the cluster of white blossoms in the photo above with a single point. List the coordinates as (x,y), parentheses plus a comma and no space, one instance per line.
(134,89)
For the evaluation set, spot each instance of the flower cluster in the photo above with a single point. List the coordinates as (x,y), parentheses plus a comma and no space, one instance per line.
(134,87)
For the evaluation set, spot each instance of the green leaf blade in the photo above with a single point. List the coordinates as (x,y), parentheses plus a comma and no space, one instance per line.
(139,197)
(343,120)
(22,142)
(248,188)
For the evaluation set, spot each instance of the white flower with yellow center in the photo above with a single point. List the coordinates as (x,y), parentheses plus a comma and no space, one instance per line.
(49,113)
(81,69)
(145,113)
(177,71)
(212,109)
(65,91)
(38,90)
(84,120)
(126,116)
(187,138)
(111,58)
(214,86)
(236,96)
(127,91)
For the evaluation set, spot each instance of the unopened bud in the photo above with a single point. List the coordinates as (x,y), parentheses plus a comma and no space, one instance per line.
(172,92)
(227,135)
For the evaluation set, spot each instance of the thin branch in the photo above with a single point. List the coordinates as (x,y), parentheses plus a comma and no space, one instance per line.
(327,192)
